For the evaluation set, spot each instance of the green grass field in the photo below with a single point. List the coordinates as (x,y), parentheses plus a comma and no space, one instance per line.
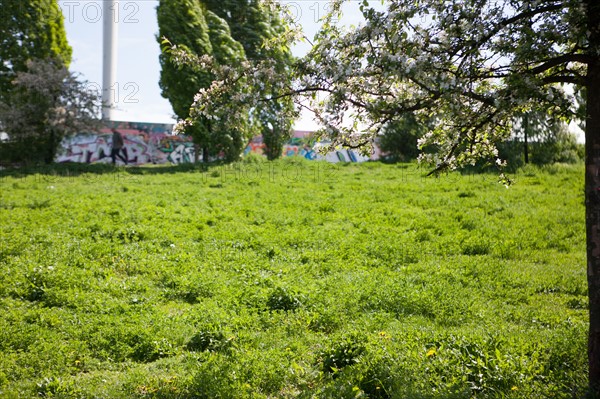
(291,279)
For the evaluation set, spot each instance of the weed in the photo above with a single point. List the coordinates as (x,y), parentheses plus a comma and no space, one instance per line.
(345,352)
(209,341)
(282,299)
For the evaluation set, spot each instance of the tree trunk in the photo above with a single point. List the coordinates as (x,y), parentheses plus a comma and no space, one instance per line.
(592,194)
(206,143)
(526,132)
(51,148)
(196,153)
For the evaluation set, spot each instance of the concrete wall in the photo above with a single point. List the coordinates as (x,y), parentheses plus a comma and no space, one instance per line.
(153,143)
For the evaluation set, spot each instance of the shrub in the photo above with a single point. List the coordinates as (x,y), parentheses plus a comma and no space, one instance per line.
(399,139)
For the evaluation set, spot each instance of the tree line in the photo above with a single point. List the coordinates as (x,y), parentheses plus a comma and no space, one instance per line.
(42,102)
(537,139)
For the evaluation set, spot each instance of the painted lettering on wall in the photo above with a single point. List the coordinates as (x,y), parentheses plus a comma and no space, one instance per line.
(153,143)
(144,143)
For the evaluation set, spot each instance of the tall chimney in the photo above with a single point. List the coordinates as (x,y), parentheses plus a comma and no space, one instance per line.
(109,58)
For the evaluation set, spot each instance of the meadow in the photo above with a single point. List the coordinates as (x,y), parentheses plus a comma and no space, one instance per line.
(291,279)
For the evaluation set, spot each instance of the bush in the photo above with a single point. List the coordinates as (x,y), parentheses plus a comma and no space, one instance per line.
(399,139)
(561,147)
(511,151)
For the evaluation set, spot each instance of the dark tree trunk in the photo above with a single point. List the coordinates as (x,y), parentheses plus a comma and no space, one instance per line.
(273,140)
(196,153)
(205,145)
(592,194)
(51,148)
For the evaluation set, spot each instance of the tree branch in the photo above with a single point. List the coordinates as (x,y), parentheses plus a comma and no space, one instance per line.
(525,14)
(576,80)
(474,46)
(563,59)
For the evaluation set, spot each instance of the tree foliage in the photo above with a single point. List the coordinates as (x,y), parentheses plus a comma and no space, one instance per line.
(30,29)
(399,138)
(47,104)
(228,33)
(257,25)
(473,65)
(189,24)
(40,100)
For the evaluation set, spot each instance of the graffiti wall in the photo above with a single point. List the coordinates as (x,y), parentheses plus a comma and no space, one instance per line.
(302,144)
(144,143)
(295,146)
(154,143)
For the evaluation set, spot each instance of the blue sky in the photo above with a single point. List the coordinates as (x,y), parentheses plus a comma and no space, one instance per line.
(138,68)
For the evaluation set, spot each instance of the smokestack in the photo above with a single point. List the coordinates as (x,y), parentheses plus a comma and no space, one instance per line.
(109,59)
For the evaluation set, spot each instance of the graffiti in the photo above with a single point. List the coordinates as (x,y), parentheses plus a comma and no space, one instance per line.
(137,149)
(88,148)
(85,148)
(144,143)
(303,145)
(182,154)
(346,156)
(153,143)
(175,149)
(255,146)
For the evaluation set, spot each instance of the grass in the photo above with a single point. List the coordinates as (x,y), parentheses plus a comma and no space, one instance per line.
(291,279)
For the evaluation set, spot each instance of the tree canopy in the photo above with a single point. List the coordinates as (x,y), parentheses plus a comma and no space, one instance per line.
(30,29)
(469,67)
(229,33)
(47,103)
(257,25)
(200,32)
(40,100)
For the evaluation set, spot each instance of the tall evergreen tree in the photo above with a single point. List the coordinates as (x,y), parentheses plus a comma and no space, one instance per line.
(192,27)
(230,32)
(30,29)
(255,24)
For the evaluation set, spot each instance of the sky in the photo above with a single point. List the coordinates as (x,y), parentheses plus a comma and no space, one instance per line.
(138,69)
